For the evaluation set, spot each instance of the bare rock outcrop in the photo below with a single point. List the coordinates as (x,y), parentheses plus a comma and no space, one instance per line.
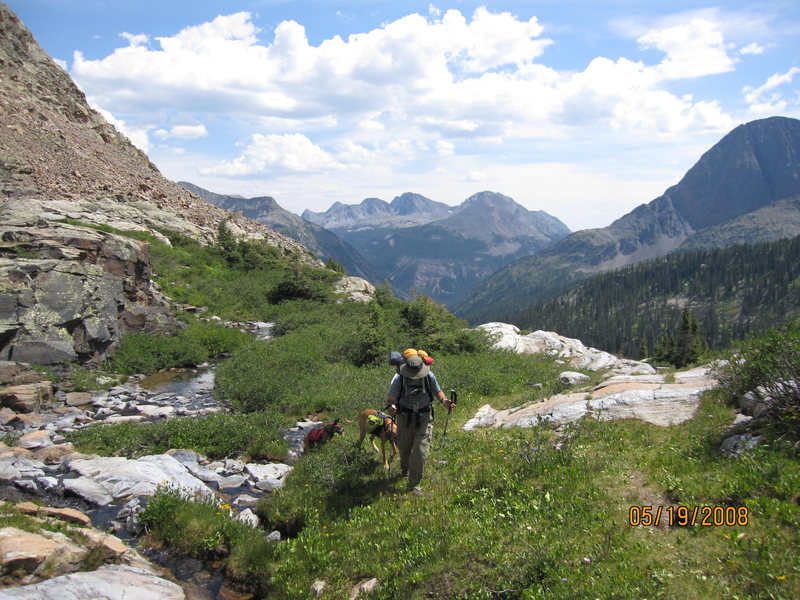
(650,398)
(68,292)
(572,351)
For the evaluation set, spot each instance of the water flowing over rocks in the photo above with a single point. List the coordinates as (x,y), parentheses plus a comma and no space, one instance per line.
(45,561)
(574,352)
(649,398)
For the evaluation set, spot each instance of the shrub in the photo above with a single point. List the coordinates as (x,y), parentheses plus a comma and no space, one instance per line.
(148,353)
(215,339)
(219,435)
(770,365)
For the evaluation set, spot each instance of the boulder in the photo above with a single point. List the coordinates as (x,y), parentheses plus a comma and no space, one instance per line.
(121,477)
(509,337)
(37,439)
(356,288)
(27,397)
(249,517)
(31,552)
(571,378)
(272,471)
(89,490)
(78,398)
(110,582)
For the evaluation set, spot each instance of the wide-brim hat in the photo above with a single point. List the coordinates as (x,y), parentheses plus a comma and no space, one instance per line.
(414,368)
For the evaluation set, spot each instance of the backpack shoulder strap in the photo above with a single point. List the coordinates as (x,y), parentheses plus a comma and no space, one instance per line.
(428,387)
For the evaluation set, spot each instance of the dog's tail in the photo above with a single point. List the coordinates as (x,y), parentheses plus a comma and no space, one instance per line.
(349,421)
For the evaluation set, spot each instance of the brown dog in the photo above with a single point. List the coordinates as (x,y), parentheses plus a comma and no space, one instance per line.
(386,432)
(321,434)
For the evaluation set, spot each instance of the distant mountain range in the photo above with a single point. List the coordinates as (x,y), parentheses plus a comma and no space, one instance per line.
(320,241)
(744,189)
(406,210)
(414,243)
(445,258)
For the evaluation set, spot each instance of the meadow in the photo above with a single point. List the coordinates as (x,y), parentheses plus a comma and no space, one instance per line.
(516,513)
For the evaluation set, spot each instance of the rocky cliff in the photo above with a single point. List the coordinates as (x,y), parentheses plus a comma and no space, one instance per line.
(68,291)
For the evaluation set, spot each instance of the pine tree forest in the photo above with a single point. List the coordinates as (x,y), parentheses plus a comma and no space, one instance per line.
(728,293)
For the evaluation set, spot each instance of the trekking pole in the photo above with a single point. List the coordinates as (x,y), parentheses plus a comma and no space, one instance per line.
(454,400)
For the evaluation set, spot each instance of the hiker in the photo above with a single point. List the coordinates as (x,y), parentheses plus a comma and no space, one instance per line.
(411,395)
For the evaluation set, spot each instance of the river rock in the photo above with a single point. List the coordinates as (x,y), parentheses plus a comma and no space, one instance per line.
(155,412)
(37,439)
(110,582)
(8,470)
(271,471)
(54,454)
(78,398)
(121,477)
(231,481)
(28,397)
(89,490)
(7,415)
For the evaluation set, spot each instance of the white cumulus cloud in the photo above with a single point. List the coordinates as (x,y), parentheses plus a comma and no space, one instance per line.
(182,132)
(276,153)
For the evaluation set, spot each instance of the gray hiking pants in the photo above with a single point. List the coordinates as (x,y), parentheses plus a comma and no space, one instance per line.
(414,442)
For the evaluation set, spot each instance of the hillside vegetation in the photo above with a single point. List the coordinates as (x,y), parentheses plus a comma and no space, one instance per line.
(516,513)
(732,292)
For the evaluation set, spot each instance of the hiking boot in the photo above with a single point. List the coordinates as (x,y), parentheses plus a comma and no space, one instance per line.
(416,490)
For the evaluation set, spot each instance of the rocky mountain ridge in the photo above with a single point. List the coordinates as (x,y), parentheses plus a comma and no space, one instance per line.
(732,194)
(405,210)
(55,148)
(446,258)
(267,211)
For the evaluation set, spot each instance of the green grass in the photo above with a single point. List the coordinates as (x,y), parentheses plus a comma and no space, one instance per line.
(518,513)
(218,435)
(529,513)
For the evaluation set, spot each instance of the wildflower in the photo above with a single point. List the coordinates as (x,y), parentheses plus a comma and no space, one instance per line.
(586,559)
(781,577)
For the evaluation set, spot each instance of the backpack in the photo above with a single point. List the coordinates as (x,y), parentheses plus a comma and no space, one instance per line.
(416,395)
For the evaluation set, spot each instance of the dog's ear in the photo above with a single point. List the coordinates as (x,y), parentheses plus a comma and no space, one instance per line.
(336,421)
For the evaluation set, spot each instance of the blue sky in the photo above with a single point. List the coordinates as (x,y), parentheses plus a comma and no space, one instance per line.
(582,109)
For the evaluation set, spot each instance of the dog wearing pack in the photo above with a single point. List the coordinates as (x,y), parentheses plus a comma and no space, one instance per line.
(377,425)
(321,434)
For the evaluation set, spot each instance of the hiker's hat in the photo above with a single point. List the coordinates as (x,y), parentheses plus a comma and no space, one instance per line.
(415,368)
